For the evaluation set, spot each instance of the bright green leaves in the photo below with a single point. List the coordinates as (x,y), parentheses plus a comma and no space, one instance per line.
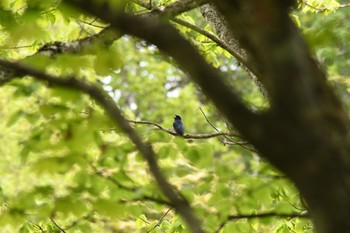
(70,205)
(66,95)
(70,64)
(60,164)
(7,18)
(115,210)
(95,61)
(209,49)
(168,151)
(12,217)
(323,6)
(63,157)
(107,60)
(111,209)
(22,21)
(166,225)
(15,117)
(155,136)
(202,155)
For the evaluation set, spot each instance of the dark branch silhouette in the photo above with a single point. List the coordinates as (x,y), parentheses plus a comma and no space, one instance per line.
(160,220)
(262,215)
(227,140)
(177,200)
(187,135)
(58,226)
(130,189)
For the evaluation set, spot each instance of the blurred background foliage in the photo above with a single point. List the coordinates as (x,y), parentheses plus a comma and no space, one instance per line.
(65,167)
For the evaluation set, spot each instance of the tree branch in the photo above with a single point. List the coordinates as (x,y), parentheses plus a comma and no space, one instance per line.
(177,8)
(228,140)
(175,197)
(58,226)
(160,220)
(268,214)
(323,9)
(171,10)
(217,41)
(187,135)
(261,215)
(193,4)
(87,217)
(107,35)
(130,189)
(222,29)
(169,40)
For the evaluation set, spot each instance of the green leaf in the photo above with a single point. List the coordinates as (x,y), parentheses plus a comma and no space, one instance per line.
(167,151)
(57,164)
(52,109)
(109,208)
(51,17)
(283,208)
(14,118)
(66,94)
(107,61)
(201,155)
(12,217)
(44,210)
(193,154)
(72,64)
(69,205)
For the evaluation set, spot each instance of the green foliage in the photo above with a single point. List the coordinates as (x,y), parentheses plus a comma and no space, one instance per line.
(326,30)
(64,161)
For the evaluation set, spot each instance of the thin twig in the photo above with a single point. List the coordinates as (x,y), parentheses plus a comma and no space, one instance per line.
(54,222)
(219,42)
(87,217)
(131,189)
(209,122)
(36,225)
(91,23)
(262,215)
(228,140)
(143,220)
(17,47)
(100,96)
(268,214)
(187,135)
(82,28)
(160,220)
(323,9)
(203,32)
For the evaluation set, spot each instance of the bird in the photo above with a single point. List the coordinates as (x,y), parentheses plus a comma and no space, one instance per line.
(178,126)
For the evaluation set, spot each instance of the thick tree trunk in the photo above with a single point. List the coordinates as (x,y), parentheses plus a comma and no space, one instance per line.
(306,132)
(315,155)
(220,25)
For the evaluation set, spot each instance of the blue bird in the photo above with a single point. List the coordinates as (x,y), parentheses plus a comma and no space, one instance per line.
(178,126)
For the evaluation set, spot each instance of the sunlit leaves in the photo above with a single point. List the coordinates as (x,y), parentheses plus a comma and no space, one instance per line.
(60,164)
(201,155)
(64,159)
(70,206)
(12,217)
(323,6)
(14,118)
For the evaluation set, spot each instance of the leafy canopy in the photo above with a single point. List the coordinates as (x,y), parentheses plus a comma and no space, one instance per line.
(65,165)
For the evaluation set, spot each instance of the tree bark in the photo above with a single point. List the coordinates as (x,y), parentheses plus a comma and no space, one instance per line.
(305,133)
(211,13)
(306,130)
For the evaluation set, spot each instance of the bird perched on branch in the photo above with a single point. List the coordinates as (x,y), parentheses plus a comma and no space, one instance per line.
(178,126)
